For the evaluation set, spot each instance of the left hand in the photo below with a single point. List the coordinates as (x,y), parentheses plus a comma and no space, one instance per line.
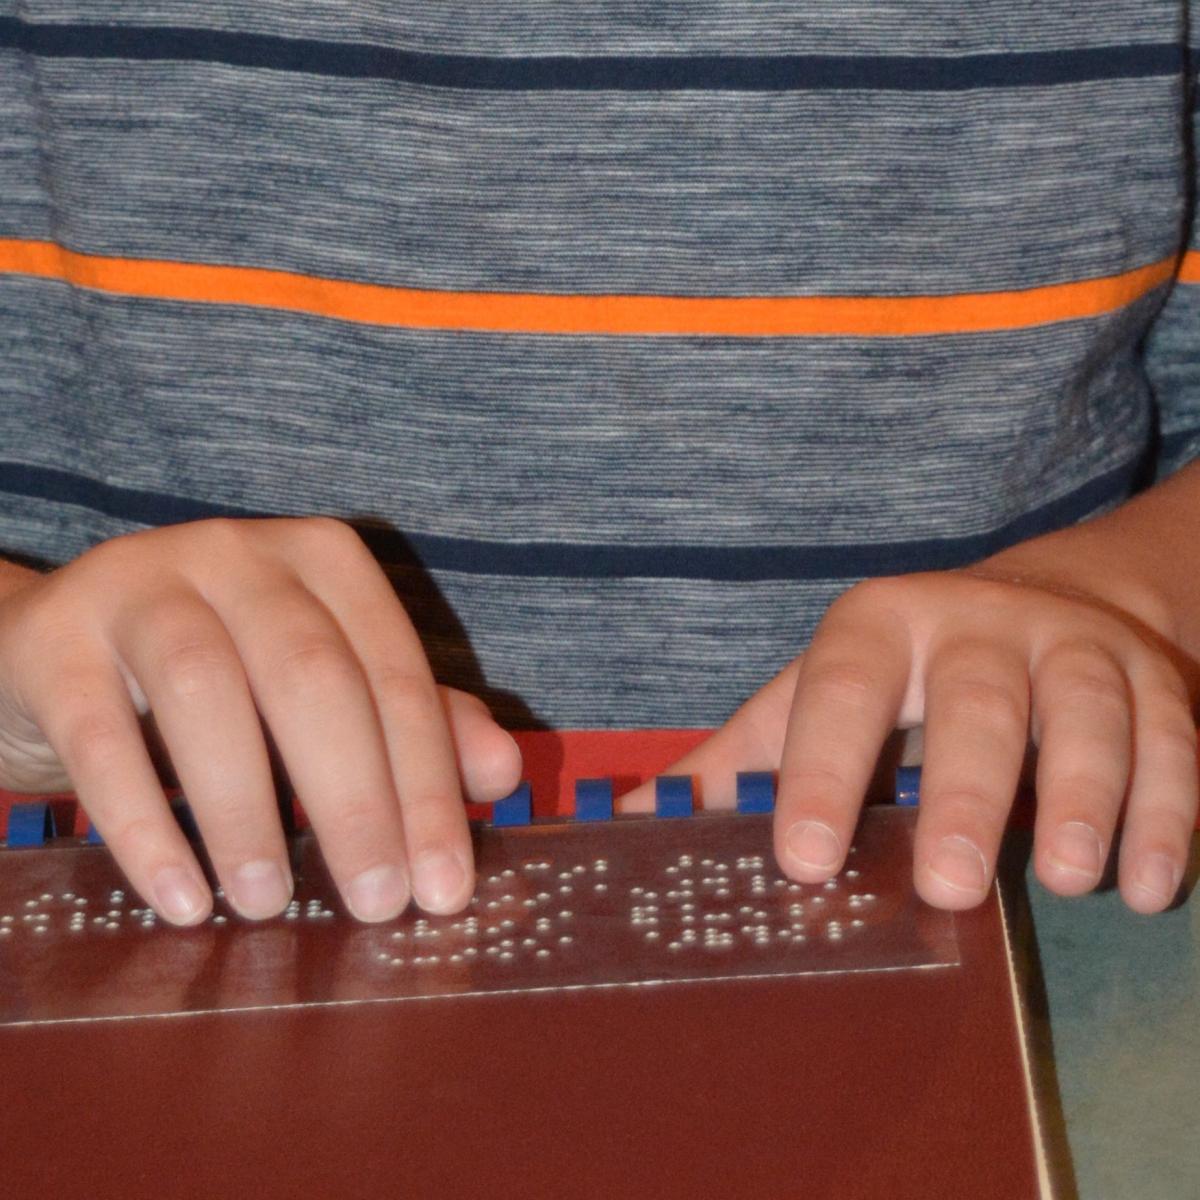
(985,663)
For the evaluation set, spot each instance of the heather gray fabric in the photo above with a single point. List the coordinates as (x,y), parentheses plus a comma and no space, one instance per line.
(595,529)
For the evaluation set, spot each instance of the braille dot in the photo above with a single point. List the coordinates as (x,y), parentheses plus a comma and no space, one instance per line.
(543,954)
(470,952)
(529,942)
(508,873)
(565,940)
(506,955)
(31,904)
(81,903)
(397,962)
(5,931)
(601,887)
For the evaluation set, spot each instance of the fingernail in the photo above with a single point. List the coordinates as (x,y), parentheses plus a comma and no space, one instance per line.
(438,879)
(259,888)
(1077,848)
(1159,876)
(179,895)
(813,846)
(377,894)
(958,863)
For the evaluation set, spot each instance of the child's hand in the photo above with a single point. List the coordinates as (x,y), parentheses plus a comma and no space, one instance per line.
(208,626)
(984,664)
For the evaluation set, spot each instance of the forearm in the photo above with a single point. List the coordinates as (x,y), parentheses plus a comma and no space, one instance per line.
(1143,558)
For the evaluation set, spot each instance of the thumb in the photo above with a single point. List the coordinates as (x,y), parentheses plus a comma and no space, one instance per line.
(751,740)
(489,762)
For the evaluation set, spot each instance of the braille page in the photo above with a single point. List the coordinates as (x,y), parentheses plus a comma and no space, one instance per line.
(638,902)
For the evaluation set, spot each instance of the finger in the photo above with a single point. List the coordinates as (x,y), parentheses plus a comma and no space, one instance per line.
(80,703)
(187,666)
(419,748)
(312,692)
(1082,724)
(976,731)
(489,760)
(1161,811)
(850,686)
(752,739)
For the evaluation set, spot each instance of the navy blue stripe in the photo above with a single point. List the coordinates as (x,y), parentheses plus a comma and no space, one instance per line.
(592,561)
(756,73)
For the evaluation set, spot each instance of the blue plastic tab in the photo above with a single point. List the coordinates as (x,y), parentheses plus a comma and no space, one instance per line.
(30,824)
(516,809)
(673,796)
(593,799)
(755,792)
(93,836)
(908,785)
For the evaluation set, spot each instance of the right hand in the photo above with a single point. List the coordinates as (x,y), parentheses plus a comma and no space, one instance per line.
(208,627)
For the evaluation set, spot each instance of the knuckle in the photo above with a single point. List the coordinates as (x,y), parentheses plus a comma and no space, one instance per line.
(134,835)
(427,808)
(1168,822)
(1084,791)
(400,690)
(190,667)
(815,781)
(313,668)
(964,805)
(1171,732)
(332,532)
(840,681)
(990,702)
(93,740)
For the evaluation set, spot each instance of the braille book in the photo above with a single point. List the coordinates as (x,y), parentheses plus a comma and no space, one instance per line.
(630,1006)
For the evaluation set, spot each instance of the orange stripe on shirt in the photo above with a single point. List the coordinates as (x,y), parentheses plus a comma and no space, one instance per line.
(1189,267)
(516,312)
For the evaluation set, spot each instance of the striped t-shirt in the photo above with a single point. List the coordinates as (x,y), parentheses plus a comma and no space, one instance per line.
(630,334)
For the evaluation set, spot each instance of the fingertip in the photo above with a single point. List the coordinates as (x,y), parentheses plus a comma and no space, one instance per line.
(442,881)
(179,897)
(811,852)
(955,876)
(1153,884)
